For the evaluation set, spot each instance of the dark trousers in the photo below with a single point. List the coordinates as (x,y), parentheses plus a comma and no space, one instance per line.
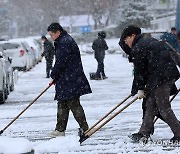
(100,68)
(48,67)
(63,114)
(158,103)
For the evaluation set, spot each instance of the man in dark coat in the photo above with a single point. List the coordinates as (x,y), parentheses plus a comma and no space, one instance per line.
(171,38)
(154,72)
(99,46)
(69,78)
(48,54)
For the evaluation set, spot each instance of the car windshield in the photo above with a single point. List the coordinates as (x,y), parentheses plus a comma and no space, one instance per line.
(6,46)
(25,45)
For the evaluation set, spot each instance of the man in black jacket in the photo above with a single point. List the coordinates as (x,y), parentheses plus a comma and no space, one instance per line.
(99,46)
(69,78)
(154,72)
(48,54)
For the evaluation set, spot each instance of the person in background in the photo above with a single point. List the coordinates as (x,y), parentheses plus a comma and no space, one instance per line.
(171,38)
(69,78)
(154,73)
(99,46)
(48,53)
(178,42)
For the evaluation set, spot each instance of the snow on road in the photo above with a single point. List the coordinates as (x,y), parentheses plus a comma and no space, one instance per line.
(40,118)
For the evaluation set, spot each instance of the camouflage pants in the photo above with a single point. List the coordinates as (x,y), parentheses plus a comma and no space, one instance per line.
(158,103)
(63,114)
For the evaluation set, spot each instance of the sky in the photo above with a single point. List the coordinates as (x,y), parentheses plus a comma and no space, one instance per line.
(31,130)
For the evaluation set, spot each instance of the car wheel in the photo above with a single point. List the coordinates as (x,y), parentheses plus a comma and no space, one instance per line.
(12,86)
(6,93)
(24,69)
(2,97)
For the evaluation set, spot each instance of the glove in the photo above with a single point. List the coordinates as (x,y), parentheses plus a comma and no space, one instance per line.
(140,94)
(52,82)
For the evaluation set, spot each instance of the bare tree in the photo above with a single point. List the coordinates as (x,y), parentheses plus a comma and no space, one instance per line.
(34,16)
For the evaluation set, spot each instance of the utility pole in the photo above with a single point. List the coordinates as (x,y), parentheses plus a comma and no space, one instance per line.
(178,16)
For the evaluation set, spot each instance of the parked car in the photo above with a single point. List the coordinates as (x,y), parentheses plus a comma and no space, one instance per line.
(8,70)
(30,46)
(21,58)
(3,90)
(6,76)
(35,46)
(30,52)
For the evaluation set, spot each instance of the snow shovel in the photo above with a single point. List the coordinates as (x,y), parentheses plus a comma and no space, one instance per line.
(107,114)
(156,118)
(85,135)
(50,84)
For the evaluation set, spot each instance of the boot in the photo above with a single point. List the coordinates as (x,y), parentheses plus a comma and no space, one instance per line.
(136,137)
(105,77)
(82,136)
(48,76)
(57,133)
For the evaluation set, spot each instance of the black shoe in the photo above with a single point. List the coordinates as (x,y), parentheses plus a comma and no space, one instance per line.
(47,75)
(136,137)
(82,135)
(97,78)
(175,140)
(105,77)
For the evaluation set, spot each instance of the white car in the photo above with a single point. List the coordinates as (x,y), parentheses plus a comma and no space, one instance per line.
(31,53)
(6,76)
(28,46)
(3,89)
(8,70)
(21,59)
(33,43)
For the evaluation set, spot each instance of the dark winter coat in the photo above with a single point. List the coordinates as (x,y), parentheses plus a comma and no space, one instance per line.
(99,46)
(48,51)
(153,64)
(70,80)
(171,39)
(178,47)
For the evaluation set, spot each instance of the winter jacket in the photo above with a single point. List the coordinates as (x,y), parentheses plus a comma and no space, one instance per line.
(99,46)
(171,39)
(70,80)
(153,64)
(48,50)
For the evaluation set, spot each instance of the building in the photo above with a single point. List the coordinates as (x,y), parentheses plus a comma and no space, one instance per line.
(164,22)
(78,23)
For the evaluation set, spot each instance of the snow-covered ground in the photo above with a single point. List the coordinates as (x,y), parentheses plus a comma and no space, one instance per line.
(40,119)
(113,47)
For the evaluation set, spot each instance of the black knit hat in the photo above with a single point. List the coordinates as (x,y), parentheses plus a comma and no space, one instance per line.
(129,31)
(44,37)
(102,34)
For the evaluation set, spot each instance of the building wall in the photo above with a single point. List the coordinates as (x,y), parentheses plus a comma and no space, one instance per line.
(163,23)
